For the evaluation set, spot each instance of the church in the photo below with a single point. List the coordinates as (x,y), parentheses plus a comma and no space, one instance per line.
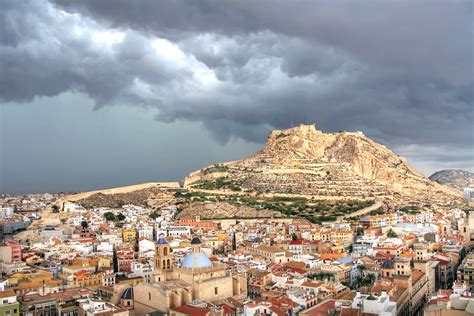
(197,278)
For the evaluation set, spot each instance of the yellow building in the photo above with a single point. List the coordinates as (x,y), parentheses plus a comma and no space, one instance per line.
(85,278)
(29,276)
(32,281)
(80,264)
(129,234)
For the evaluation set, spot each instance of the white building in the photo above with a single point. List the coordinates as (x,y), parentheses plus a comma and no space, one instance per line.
(70,207)
(146,247)
(304,298)
(105,247)
(6,211)
(144,270)
(108,278)
(370,304)
(261,308)
(469,194)
(145,231)
(175,231)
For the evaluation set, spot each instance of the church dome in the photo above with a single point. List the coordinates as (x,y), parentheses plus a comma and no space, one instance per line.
(127,294)
(196,241)
(201,260)
(161,241)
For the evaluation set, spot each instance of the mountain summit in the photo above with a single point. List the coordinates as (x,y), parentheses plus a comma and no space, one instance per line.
(454,178)
(306,161)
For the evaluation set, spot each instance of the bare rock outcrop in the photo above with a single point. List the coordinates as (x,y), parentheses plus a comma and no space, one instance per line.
(306,161)
(454,178)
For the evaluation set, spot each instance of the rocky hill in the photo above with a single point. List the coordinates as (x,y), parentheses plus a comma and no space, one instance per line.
(222,210)
(304,161)
(457,179)
(152,195)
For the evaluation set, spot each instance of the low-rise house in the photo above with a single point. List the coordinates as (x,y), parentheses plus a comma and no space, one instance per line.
(377,305)
(270,253)
(9,304)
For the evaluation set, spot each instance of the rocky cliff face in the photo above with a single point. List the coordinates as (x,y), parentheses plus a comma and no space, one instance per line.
(309,162)
(456,179)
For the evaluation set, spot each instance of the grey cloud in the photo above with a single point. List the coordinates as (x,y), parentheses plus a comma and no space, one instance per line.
(430,35)
(400,71)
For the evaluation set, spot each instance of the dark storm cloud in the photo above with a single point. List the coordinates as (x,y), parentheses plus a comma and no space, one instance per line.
(402,71)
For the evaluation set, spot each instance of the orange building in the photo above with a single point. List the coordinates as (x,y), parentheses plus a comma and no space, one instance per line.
(125,258)
(85,278)
(16,250)
(197,223)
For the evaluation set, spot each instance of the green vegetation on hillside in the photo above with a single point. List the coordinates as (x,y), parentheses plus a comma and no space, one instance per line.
(313,211)
(215,168)
(217,184)
(411,210)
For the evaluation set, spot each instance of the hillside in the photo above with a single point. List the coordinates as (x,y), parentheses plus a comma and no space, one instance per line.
(457,179)
(153,195)
(307,162)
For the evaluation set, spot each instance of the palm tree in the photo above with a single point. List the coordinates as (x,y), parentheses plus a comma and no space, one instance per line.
(391,234)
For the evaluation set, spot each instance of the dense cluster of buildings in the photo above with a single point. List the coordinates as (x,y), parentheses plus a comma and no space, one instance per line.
(135,261)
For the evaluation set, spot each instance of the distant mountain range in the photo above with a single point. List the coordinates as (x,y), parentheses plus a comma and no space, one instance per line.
(454,178)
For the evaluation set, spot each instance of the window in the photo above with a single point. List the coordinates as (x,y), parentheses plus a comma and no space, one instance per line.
(215,290)
(149,296)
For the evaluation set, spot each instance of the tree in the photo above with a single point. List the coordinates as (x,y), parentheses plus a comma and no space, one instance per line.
(294,236)
(322,276)
(109,216)
(84,224)
(154,215)
(55,208)
(391,234)
(120,217)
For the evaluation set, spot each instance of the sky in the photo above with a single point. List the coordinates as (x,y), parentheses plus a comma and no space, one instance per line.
(103,93)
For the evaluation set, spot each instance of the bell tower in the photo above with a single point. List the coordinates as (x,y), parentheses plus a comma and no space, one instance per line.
(163,259)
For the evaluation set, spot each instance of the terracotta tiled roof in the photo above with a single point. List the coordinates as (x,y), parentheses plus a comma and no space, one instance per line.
(296,265)
(192,311)
(331,256)
(277,310)
(321,309)
(312,284)
(416,275)
(7,293)
(349,312)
